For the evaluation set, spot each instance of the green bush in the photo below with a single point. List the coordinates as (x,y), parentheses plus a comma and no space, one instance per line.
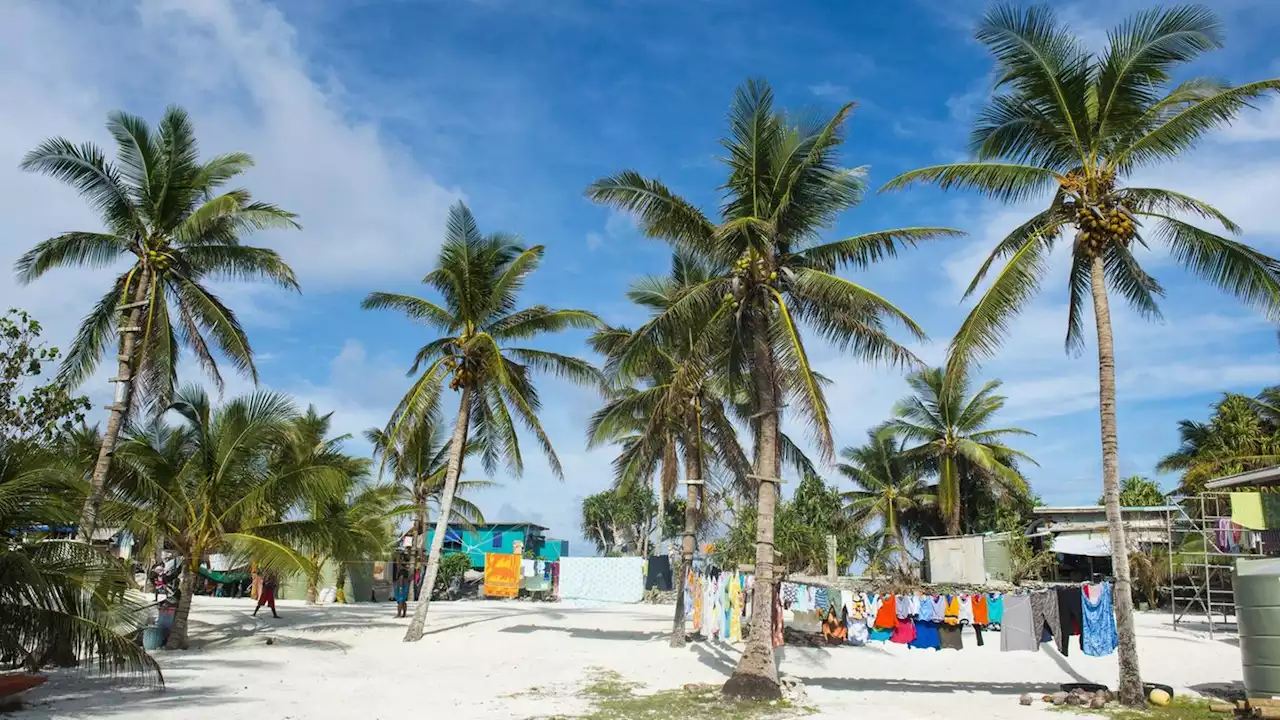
(452,567)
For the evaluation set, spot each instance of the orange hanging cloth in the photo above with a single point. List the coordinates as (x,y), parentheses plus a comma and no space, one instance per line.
(981,616)
(887,615)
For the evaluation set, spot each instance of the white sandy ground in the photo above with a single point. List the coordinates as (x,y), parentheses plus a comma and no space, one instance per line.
(516,660)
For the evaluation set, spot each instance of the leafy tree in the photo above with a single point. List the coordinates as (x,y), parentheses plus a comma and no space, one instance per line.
(1242,433)
(479,278)
(209,485)
(616,521)
(954,433)
(1073,125)
(890,491)
(32,414)
(167,214)
(1139,491)
(785,185)
(418,461)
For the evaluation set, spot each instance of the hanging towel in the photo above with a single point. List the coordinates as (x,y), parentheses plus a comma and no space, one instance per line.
(697,605)
(1246,510)
(735,610)
(1099,636)
(1015,632)
(501,575)
(658,576)
(821,600)
(1070,604)
(602,580)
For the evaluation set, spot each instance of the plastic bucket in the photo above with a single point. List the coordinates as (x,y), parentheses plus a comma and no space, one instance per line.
(165,618)
(153,638)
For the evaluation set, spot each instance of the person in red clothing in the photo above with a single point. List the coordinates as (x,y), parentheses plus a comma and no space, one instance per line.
(268,594)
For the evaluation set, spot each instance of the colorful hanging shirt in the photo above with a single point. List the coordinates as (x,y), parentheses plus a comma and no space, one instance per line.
(1099,632)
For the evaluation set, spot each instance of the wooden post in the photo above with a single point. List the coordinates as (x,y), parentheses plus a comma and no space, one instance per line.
(831,558)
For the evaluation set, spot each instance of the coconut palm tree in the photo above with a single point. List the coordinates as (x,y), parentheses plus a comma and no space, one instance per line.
(479,278)
(166,214)
(953,430)
(60,600)
(418,464)
(785,185)
(890,490)
(210,485)
(1240,435)
(1073,125)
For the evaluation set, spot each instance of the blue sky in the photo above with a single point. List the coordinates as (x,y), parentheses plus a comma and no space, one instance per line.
(369,117)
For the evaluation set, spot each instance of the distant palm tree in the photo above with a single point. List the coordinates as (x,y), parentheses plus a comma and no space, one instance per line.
(209,485)
(1241,434)
(1073,124)
(479,278)
(165,213)
(785,185)
(891,491)
(419,463)
(952,429)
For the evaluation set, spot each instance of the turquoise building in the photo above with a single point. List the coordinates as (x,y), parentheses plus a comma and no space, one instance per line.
(484,538)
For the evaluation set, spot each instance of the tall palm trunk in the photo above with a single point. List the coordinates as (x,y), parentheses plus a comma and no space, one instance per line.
(950,490)
(756,676)
(1130,679)
(187,585)
(693,476)
(456,449)
(119,410)
(419,528)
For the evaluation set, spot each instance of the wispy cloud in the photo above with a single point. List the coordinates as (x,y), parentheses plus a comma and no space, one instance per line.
(829,89)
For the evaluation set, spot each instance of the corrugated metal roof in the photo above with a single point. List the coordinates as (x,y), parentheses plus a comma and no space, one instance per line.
(1264,476)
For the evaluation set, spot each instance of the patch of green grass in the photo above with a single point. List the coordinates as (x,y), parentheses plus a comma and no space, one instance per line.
(1181,708)
(614,698)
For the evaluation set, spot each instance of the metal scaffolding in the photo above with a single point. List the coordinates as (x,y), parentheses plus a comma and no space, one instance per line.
(1204,546)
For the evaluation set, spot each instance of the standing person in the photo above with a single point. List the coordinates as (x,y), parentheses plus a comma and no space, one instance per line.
(268,594)
(402,593)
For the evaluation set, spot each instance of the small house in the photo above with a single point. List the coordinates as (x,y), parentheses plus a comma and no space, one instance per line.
(476,540)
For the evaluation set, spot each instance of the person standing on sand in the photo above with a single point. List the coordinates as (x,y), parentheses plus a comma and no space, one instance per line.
(268,594)
(402,594)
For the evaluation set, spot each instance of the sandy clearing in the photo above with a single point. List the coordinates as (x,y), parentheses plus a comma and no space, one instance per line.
(512,661)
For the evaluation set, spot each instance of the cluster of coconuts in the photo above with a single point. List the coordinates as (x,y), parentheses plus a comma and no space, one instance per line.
(459,370)
(743,269)
(1103,224)
(157,260)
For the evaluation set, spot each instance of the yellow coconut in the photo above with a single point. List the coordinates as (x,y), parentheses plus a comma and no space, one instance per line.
(1158,697)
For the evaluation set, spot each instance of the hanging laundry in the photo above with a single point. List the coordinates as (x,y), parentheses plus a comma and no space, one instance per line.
(995,611)
(1070,617)
(887,615)
(1099,633)
(820,599)
(501,575)
(658,575)
(833,628)
(604,580)
(927,636)
(790,594)
(939,609)
(1246,510)
(1015,629)
(981,613)
(904,633)
(735,610)
(856,619)
(779,636)
(951,616)
(965,615)
(924,613)
(1044,615)
(696,588)
(950,637)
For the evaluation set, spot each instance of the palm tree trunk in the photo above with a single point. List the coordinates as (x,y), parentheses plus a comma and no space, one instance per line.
(119,411)
(419,528)
(950,489)
(456,450)
(756,677)
(187,585)
(341,595)
(1130,679)
(693,476)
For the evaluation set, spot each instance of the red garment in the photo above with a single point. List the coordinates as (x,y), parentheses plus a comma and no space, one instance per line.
(267,597)
(904,633)
(887,615)
(779,638)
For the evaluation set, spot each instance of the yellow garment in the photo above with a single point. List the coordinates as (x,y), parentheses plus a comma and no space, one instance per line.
(952,616)
(735,610)
(1246,510)
(501,575)
(697,603)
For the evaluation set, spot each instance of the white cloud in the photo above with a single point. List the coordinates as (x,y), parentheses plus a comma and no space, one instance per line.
(829,89)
